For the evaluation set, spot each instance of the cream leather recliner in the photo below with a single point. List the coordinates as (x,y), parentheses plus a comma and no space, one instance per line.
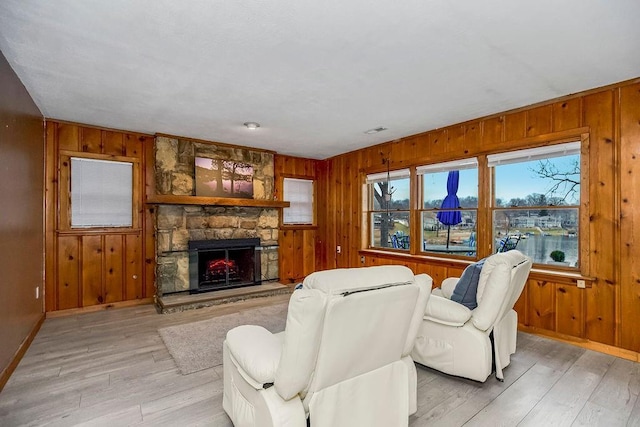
(456,340)
(343,359)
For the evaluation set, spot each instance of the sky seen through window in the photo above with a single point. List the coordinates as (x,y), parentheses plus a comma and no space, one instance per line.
(517,180)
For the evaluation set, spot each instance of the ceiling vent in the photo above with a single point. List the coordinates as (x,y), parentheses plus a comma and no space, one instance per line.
(375,130)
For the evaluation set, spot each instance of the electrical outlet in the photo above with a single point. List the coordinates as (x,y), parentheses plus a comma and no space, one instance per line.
(37,292)
(581,284)
(339,249)
(362,259)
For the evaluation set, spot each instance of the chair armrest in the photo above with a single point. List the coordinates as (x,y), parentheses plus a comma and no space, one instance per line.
(256,351)
(424,282)
(448,285)
(447,312)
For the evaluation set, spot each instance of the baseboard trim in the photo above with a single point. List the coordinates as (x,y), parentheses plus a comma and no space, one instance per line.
(17,357)
(584,343)
(99,307)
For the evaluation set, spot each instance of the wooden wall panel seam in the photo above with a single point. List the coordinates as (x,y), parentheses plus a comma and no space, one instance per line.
(616,213)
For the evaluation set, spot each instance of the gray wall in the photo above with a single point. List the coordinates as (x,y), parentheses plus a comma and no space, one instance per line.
(21,213)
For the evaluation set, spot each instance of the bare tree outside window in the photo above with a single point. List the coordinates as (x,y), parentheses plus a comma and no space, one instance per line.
(380,189)
(565,182)
(389,215)
(537,201)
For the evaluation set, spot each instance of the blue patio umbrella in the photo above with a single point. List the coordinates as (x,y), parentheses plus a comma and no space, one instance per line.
(449,217)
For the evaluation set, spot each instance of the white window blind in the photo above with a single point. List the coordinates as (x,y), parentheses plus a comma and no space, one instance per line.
(383,176)
(101,193)
(448,166)
(538,153)
(299,193)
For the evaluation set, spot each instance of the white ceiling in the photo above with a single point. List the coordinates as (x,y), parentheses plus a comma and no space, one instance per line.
(314,74)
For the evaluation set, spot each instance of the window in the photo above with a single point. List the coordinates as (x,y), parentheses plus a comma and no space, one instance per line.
(388,209)
(528,200)
(449,209)
(536,203)
(299,192)
(101,193)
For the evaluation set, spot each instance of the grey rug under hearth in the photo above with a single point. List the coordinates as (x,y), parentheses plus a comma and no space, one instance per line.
(198,345)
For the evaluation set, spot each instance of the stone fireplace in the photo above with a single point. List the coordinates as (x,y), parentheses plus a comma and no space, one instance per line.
(179,226)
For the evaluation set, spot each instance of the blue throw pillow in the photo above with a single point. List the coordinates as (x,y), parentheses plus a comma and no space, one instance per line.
(467,286)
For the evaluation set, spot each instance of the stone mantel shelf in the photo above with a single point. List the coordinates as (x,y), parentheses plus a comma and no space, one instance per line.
(170,199)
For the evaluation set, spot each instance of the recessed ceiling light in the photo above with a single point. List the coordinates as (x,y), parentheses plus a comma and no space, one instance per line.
(252,125)
(375,130)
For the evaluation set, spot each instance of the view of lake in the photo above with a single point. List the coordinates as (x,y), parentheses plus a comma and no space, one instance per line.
(539,247)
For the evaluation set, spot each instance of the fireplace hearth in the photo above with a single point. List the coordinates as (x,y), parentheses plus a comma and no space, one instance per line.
(223,264)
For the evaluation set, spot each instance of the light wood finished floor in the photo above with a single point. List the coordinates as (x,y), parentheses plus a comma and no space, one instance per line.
(112,368)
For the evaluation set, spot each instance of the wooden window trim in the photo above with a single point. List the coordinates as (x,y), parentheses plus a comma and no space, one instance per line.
(484,225)
(64,201)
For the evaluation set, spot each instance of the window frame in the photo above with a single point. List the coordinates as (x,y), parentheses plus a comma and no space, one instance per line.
(372,179)
(537,153)
(64,201)
(485,209)
(425,169)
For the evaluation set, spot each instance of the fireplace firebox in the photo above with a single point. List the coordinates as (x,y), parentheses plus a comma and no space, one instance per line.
(223,264)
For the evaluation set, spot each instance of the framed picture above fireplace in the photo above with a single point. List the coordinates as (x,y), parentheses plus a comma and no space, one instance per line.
(223,178)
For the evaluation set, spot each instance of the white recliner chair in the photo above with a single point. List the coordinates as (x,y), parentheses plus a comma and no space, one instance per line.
(343,359)
(456,340)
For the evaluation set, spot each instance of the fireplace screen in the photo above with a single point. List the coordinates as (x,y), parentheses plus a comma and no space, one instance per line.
(223,264)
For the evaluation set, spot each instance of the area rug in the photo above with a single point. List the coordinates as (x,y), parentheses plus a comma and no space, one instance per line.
(198,345)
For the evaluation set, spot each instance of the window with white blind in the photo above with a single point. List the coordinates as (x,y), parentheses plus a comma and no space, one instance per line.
(299,193)
(101,193)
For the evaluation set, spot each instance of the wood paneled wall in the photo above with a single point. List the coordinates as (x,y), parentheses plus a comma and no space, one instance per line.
(98,266)
(299,246)
(606,312)
(628,205)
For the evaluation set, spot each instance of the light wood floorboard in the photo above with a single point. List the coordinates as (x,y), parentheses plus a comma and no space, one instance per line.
(112,368)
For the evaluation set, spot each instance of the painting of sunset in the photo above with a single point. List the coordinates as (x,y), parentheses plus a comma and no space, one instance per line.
(223,178)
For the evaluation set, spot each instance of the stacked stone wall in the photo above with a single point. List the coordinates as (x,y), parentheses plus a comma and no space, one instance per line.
(175,166)
(177,225)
